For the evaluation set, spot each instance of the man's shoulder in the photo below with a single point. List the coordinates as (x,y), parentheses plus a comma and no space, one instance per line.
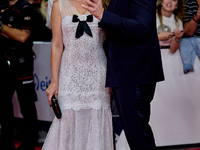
(24,5)
(190,2)
(4,6)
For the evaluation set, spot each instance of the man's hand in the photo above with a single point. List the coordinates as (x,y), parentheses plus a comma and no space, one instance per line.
(95,8)
(197,16)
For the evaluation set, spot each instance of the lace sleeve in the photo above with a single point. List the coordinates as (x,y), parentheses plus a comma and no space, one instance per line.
(48,14)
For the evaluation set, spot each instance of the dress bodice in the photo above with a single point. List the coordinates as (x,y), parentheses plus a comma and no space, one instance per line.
(83,65)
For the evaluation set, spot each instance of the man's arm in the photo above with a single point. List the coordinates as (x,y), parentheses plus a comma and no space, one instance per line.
(26,24)
(191,21)
(16,34)
(191,26)
(139,23)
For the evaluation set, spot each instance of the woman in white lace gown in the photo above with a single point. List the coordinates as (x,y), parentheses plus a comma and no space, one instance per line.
(78,71)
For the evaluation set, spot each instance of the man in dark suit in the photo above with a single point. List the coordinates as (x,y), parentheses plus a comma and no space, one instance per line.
(134,63)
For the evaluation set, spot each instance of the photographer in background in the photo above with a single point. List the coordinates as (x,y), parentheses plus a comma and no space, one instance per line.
(42,33)
(17,23)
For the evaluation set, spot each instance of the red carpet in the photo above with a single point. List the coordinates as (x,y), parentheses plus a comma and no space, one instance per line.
(17,143)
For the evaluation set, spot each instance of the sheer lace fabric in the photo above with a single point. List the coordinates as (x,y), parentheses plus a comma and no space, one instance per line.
(80,130)
(86,123)
(82,69)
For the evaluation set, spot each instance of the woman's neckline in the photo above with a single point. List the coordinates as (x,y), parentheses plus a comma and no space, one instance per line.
(77,9)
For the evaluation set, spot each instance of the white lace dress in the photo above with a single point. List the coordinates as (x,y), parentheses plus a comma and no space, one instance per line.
(86,122)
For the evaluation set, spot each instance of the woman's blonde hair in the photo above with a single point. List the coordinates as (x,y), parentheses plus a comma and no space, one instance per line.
(179,13)
(105,4)
(43,9)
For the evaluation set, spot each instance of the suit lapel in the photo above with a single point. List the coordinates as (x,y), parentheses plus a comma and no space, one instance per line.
(112,5)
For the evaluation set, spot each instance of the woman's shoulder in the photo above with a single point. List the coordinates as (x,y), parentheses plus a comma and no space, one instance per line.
(55,8)
(55,5)
(56,2)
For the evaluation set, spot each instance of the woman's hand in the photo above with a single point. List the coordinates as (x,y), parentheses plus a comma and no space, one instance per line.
(51,90)
(178,34)
(164,36)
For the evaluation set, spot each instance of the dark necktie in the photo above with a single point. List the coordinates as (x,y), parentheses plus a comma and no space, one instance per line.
(82,26)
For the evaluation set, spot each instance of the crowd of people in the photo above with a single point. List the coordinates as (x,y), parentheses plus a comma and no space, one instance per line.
(99,48)
(178,28)
(170,15)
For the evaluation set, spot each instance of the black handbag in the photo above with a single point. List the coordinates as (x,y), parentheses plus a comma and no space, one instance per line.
(56,107)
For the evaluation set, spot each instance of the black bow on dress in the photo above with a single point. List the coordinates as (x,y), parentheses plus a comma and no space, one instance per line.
(82,26)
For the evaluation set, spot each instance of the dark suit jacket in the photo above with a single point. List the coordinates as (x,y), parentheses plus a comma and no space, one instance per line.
(131,44)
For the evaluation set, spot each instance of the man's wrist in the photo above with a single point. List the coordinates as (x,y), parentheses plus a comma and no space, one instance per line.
(100,17)
(194,19)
